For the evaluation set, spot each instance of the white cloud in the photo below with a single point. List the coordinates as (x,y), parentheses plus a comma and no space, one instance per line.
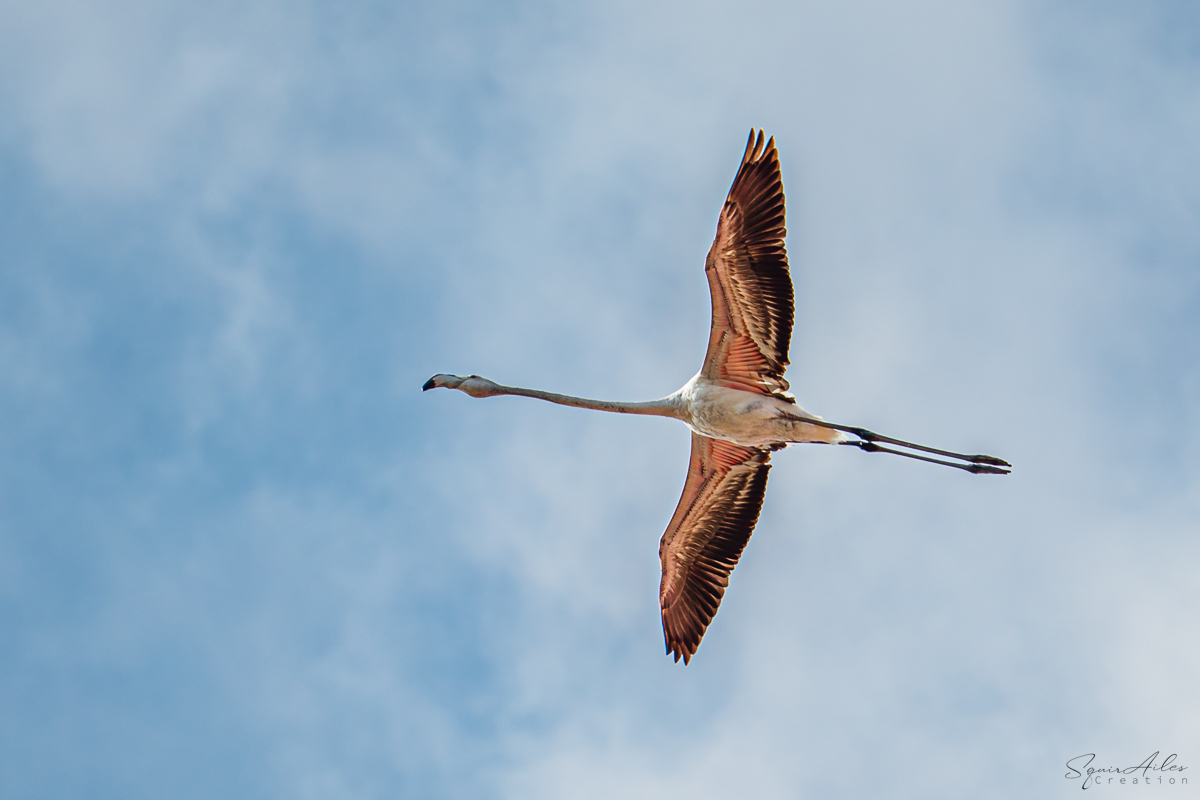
(990,214)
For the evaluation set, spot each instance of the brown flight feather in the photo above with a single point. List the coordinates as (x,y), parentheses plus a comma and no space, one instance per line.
(752,317)
(751,288)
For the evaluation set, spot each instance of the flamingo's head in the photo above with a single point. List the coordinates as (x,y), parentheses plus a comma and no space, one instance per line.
(469,384)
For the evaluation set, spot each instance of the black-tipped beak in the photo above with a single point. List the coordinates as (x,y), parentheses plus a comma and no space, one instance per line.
(429,384)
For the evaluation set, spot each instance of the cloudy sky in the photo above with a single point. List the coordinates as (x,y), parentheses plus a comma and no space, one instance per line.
(243,555)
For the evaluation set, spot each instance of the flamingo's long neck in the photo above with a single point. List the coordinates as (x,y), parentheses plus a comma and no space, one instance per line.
(664,407)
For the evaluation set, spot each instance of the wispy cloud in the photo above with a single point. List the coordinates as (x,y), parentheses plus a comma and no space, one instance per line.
(241,554)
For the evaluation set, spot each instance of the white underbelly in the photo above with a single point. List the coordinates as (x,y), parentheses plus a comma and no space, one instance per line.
(748,418)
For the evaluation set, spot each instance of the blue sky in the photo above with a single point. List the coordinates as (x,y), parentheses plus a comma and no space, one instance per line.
(242,555)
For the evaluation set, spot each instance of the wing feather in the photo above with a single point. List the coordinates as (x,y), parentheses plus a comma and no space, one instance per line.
(751,287)
(721,501)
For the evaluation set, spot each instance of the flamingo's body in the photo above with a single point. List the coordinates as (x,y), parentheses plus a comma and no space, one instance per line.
(737,405)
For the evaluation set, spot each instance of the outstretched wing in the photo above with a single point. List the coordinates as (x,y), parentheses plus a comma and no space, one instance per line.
(715,517)
(747,269)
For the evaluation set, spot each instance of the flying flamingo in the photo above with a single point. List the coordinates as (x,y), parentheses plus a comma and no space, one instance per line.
(738,406)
